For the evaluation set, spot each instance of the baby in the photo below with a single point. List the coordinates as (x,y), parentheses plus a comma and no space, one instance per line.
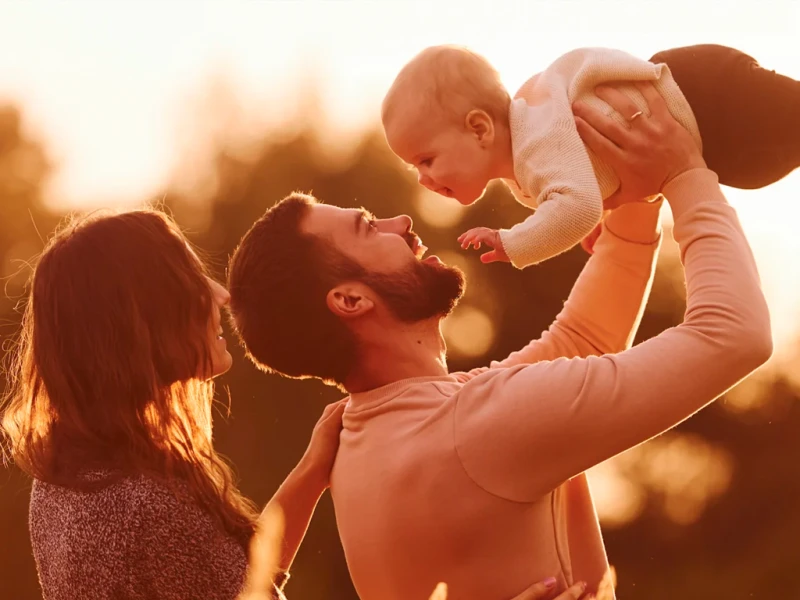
(448,115)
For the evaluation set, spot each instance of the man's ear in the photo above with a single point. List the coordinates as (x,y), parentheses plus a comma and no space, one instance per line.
(480,124)
(349,300)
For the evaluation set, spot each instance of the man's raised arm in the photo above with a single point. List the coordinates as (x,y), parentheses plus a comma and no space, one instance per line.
(550,421)
(605,306)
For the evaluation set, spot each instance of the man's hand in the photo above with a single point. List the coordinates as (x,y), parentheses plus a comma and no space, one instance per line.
(646,153)
(483,235)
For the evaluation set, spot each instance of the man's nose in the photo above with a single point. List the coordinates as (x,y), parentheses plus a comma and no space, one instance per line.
(399,225)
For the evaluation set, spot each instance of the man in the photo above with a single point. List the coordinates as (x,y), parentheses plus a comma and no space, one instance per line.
(476,478)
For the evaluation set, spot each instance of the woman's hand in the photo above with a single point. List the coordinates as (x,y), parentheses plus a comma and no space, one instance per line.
(646,153)
(321,452)
(324,444)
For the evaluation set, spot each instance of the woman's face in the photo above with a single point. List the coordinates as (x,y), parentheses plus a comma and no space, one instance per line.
(221,359)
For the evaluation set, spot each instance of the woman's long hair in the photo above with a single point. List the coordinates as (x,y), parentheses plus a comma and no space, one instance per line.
(108,371)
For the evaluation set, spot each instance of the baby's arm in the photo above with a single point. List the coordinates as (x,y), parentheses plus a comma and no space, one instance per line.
(553,166)
(558,224)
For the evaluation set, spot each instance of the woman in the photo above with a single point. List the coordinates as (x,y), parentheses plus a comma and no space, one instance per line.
(110,413)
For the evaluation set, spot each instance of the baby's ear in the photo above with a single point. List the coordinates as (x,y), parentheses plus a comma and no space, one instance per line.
(349,300)
(481,125)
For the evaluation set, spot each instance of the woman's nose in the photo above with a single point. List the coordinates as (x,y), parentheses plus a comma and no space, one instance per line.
(221,295)
(225,297)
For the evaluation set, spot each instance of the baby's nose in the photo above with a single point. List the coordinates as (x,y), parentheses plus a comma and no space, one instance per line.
(424,180)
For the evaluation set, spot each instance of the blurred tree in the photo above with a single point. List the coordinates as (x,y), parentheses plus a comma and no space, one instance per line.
(24,168)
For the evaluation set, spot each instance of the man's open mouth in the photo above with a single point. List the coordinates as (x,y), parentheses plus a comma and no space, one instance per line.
(417,247)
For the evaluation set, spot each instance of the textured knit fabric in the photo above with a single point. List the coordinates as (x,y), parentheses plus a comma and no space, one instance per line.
(134,539)
(555,172)
(476,479)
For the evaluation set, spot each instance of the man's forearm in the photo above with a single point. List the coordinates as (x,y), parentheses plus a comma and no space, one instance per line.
(638,222)
(616,402)
(605,306)
(608,300)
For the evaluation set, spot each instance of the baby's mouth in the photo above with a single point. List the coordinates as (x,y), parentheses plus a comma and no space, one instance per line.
(446,192)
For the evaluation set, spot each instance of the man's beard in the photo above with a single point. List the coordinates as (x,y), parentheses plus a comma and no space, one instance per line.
(420,291)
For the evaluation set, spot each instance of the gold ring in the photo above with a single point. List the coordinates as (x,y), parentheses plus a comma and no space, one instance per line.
(634,116)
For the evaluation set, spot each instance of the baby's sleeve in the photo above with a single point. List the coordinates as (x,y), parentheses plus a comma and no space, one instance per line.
(553,166)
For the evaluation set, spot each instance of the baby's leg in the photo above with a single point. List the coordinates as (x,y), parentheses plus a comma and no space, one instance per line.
(749,117)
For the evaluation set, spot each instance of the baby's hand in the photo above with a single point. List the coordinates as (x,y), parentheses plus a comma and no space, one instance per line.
(491,237)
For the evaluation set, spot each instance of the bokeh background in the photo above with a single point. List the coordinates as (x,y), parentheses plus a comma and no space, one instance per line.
(215,110)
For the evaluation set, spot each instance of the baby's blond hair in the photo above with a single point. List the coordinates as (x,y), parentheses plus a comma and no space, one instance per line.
(451,79)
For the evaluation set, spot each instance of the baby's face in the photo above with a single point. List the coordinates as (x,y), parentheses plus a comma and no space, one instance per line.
(448,158)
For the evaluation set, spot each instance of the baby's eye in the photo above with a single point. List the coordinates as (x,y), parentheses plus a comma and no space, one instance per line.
(425,162)
(372,224)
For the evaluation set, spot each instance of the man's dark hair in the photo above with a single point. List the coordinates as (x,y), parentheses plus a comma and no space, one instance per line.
(278,279)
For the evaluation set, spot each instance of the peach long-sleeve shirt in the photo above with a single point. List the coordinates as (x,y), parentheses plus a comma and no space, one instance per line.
(476,479)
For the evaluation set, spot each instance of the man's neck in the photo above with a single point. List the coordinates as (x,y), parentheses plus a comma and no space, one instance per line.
(410,350)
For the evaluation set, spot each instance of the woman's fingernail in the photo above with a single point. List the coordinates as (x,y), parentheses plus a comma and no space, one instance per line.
(550,582)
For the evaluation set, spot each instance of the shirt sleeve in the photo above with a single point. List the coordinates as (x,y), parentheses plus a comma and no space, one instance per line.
(606,304)
(550,421)
(553,166)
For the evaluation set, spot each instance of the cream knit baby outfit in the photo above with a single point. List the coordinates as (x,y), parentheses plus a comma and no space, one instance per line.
(556,174)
